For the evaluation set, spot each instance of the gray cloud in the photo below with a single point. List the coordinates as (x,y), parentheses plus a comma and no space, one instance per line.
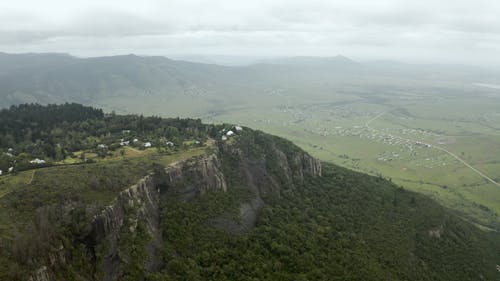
(459,31)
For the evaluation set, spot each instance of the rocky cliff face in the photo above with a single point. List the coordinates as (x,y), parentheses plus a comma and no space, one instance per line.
(42,274)
(198,176)
(143,195)
(137,209)
(140,204)
(272,167)
(266,170)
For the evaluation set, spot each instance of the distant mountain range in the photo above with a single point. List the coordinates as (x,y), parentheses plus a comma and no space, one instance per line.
(302,60)
(56,78)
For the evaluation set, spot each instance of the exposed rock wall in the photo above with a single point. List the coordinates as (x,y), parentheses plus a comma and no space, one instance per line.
(140,203)
(266,173)
(198,175)
(137,203)
(42,274)
(111,219)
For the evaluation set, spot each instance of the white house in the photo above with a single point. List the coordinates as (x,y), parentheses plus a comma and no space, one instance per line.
(147,144)
(229,133)
(37,161)
(11,169)
(124,143)
(102,146)
(238,128)
(0,172)
(169,143)
(224,138)
(135,140)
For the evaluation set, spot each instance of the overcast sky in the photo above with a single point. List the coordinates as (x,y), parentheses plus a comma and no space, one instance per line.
(447,31)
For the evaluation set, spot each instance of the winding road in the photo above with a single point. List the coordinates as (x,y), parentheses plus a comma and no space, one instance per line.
(367,125)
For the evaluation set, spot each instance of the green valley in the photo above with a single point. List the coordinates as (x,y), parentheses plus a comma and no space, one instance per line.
(322,104)
(403,141)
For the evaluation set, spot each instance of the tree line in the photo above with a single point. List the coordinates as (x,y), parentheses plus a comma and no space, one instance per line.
(54,132)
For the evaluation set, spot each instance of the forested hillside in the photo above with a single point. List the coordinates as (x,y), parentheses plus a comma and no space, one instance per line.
(212,202)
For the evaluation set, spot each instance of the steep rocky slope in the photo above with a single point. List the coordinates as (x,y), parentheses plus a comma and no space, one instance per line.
(137,210)
(256,207)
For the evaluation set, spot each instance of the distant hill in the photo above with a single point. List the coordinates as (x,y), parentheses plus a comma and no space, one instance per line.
(131,83)
(120,81)
(20,63)
(338,61)
(48,78)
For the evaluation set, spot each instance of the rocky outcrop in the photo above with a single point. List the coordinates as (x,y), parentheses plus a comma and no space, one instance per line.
(42,274)
(140,203)
(273,168)
(266,173)
(137,203)
(310,165)
(197,176)
(436,232)
(111,219)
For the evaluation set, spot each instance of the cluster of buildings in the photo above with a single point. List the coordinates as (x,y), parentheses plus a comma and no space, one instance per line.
(38,161)
(230,133)
(35,161)
(10,170)
(423,144)
(124,142)
(8,154)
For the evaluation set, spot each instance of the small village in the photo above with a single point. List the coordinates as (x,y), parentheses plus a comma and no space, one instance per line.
(101,150)
(406,145)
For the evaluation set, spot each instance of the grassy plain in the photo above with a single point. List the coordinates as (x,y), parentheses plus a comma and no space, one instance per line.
(336,130)
(326,113)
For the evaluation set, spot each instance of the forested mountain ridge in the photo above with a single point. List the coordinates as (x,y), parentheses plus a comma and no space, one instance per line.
(216,202)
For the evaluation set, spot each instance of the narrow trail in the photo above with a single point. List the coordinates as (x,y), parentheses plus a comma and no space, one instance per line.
(29,182)
(367,124)
(32,177)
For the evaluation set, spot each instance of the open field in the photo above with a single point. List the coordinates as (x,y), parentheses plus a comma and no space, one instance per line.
(410,138)
(377,118)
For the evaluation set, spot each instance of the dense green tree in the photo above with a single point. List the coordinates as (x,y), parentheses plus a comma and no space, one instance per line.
(53,132)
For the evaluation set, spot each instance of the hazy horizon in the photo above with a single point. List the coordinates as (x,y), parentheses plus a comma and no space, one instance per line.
(237,61)
(448,32)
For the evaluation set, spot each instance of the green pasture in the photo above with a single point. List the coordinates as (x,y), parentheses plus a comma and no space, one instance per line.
(462,125)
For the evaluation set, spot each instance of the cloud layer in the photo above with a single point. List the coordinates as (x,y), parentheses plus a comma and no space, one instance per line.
(457,31)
